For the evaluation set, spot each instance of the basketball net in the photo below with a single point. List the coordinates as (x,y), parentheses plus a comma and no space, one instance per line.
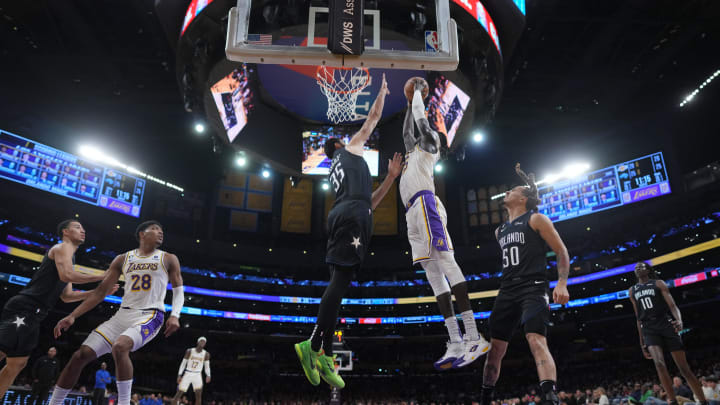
(342,86)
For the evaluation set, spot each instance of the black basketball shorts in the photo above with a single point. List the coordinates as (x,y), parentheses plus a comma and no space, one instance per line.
(20,326)
(528,306)
(662,335)
(349,232)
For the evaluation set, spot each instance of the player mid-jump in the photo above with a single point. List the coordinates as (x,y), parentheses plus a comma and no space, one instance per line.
(427,231)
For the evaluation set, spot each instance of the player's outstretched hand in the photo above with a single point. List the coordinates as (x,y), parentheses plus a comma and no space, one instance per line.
(63,325)
(115,288)
(561,295)
(207,380)
(179,379)
(395,165)
(384,88)
(172,325)
(646,352)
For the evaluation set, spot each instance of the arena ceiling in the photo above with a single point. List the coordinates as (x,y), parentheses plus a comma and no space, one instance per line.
(596,80)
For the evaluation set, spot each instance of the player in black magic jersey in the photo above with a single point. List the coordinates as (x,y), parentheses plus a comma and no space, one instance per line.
(23,313)
(523,296)
(349,230)
(659,324)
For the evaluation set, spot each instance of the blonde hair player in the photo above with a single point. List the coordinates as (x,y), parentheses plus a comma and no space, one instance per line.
(427,231)
(147,271)
(190,372)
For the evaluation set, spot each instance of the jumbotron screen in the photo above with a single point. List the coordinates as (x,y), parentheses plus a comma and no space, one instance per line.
(45,168)
(233,96)
(446,106)
(316,162)
(611,187)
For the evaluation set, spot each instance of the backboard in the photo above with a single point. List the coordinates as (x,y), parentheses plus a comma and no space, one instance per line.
(246,45)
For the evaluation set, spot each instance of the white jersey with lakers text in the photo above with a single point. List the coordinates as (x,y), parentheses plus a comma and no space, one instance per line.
(146,280)
(196,360)
(417,174)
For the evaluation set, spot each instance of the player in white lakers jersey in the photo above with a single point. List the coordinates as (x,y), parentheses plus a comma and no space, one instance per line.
(192,366)
(147,271)
(427,232)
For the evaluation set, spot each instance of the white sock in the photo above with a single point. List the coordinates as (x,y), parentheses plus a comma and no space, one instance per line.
(453,330)
(59,395)
(124,388)
(470,325)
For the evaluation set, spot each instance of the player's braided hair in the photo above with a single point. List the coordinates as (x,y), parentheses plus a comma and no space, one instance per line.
(531,191)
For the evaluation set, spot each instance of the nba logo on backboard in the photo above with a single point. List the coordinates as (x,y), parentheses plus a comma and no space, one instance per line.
(431,41)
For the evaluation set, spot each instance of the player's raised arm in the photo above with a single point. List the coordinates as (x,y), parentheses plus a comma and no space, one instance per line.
(547,231)
(429,140)
(178,299)
(112,275)
(409,130)
(394,169)
(358,140)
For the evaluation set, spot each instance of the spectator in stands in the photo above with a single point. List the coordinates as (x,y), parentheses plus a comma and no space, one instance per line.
(654,396)
(102,379)
(711,389)
(135,399)
(600,396)
(44,372)
(681,390)
(637,392)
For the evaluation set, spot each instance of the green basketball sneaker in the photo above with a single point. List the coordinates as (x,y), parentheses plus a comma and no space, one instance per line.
(326,365)
(308,359)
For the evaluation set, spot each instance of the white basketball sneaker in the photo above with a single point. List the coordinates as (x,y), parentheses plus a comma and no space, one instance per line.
(454,351)
(472,350)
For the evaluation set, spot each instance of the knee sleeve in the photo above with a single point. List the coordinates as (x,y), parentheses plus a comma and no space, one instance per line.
(436,278)
(449,267)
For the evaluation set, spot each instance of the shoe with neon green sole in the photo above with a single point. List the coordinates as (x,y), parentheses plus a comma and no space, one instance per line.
(326,367)
(308,359)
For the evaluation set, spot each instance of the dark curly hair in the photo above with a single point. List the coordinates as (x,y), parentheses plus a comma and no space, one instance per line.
(329,147)
(531,190)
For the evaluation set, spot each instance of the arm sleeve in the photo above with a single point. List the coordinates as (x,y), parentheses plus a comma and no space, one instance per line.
(418,108)
(178,300)
(182,366)
(207,368)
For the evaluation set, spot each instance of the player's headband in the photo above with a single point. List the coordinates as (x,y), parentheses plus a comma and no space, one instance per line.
(201,338)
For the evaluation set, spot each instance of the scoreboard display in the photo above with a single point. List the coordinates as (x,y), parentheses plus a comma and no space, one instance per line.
(611,187)
(45,168)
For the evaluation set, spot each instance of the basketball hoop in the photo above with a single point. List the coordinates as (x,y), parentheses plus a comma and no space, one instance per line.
(341,86)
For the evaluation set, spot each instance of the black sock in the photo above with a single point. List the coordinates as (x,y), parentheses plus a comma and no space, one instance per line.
(547,386)
(329,308)
(486,395)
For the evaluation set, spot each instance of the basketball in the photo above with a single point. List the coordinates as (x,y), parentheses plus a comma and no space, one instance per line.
(410,87)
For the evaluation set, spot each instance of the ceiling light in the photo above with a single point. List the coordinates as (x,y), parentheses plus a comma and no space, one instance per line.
(692,95)
(478,137)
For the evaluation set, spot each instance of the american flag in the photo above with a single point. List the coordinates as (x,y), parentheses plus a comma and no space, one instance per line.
(259,39)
